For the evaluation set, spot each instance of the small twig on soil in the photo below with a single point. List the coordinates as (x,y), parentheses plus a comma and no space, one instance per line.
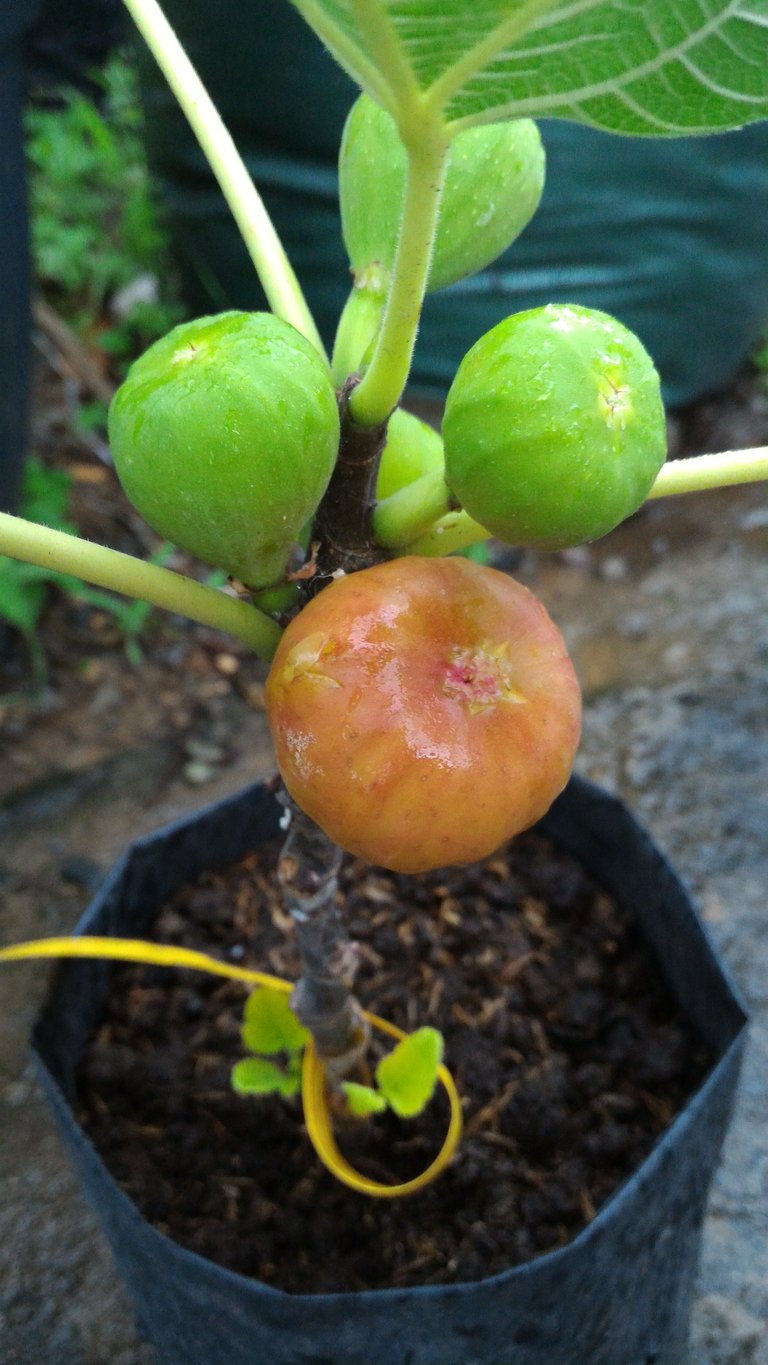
(72,351)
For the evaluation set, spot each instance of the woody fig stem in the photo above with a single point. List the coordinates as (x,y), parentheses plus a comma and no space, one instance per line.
(308,871)
(343,528)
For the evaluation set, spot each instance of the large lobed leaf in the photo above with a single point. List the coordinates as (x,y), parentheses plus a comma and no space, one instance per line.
(654,67)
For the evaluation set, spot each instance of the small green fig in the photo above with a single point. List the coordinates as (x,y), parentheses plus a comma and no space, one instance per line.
(554,427)
(224,436)
(413,448)
(493,185)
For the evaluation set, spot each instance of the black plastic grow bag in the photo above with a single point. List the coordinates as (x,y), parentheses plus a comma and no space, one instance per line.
(619,1294)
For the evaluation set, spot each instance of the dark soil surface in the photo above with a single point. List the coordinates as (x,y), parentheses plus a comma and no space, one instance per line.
(565,1045)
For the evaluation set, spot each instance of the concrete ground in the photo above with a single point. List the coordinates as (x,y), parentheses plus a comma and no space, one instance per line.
(667,622)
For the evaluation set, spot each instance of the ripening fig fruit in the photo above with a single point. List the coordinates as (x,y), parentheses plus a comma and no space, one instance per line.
(492,188)
(224,436)
(554,427)
(413,448)
(423,711)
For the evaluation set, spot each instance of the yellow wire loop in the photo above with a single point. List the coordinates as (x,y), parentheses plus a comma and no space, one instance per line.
(318,1120)
(314,1091)
(137,950)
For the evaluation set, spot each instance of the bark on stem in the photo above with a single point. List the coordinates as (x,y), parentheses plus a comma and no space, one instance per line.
(343,530)
(308,871)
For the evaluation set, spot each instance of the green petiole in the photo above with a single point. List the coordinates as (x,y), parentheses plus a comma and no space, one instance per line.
(455,530)
(449,533)
(384,381)
(702,472)
(134,578)
(275,271)
(403,516)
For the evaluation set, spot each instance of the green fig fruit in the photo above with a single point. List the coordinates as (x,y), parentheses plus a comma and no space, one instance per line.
(224,436)
(493,185)
(413,448)
(554,427)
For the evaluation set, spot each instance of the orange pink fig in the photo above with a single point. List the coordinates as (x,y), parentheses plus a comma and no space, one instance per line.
(423,711)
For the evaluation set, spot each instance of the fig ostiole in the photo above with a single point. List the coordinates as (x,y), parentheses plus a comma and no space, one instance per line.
(493,184)
(423,711)
(224,435)
(554,427)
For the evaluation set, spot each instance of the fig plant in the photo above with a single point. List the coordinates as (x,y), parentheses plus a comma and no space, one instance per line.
(423,708)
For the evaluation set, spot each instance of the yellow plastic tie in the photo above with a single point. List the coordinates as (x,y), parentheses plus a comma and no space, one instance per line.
(314,1090)
(137,950)
(318,1119)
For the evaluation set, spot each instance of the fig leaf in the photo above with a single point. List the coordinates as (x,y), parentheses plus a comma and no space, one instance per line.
(270,1025)
(407,1075)
(647,68)
(363,1100)
(257,1076)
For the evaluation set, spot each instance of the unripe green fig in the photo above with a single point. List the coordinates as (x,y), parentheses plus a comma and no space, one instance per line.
(413,448)
(492,188)
(554,427)
(224,436)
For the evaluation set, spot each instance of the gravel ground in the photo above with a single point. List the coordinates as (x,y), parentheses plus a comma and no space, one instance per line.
(667,623)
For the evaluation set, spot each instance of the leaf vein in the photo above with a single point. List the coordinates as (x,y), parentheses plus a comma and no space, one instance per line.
(709,27)
(715,87)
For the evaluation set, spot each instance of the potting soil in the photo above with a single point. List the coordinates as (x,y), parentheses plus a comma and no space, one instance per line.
(564,1042)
